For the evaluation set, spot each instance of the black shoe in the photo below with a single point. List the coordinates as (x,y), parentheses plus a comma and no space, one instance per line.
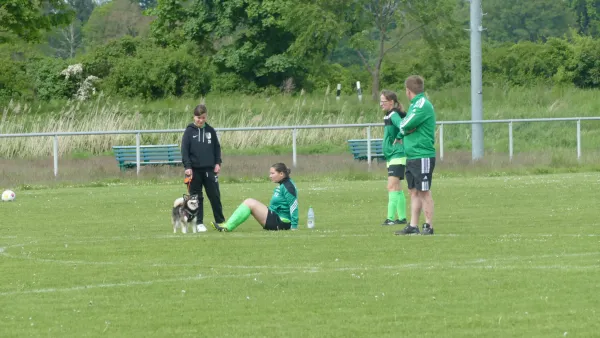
(427,229)
(408,230)
(388,222)
(219,227)
(400,221)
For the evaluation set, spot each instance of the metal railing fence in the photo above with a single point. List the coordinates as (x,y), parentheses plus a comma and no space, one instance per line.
(295,129)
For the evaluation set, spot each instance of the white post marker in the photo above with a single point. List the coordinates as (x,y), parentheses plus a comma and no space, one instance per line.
(338,92)
(359,91)
(138,136)
(55,154)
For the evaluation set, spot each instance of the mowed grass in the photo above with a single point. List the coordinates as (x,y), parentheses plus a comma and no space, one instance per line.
(512,256)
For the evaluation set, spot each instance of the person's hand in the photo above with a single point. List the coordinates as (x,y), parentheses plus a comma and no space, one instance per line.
(217,169)
(188,172)
(399,141)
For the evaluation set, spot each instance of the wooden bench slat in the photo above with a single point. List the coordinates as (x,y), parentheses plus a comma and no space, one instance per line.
(168,154)
(359,149)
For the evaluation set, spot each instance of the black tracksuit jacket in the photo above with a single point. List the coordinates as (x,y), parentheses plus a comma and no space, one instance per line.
(200,147)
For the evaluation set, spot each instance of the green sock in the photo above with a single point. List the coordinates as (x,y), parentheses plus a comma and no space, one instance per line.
(240,215)
(401,205)
(392,204)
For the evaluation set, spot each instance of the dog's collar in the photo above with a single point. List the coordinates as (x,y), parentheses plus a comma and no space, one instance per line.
(190,214)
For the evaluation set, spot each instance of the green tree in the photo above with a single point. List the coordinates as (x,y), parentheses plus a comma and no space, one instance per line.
(64,42)
(264,41)
(83,9)
(516,20)
(381,26)
(28,19)
(587,13)
(113,20)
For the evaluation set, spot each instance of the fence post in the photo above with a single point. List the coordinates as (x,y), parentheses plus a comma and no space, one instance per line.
(441,141)
(137,152)
(294,134)
(338,92)
(359,91)
(578,140)
(55,152)
(369,146)
(510,141)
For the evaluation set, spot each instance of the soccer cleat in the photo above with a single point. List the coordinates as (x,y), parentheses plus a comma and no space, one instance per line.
(218,227)
(427,229)
(388,222)
(408,230)
(201,227)
(400,221)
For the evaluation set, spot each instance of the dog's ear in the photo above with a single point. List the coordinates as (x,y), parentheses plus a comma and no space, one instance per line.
(186,197)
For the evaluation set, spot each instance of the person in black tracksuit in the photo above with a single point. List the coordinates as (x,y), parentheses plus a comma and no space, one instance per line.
(201,157)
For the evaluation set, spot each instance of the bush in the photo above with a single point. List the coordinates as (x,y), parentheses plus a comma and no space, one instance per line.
(137,69)
(15,81)
(230,83)
(100,61)
(331,74)
(583,69)
(47,80)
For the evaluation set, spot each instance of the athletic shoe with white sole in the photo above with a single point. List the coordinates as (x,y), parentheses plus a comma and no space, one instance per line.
(388,222)
(427,229)
(201,227)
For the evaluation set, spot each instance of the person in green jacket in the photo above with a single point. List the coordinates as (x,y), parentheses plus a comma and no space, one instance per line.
(395,157)
(418,131)
(282,212)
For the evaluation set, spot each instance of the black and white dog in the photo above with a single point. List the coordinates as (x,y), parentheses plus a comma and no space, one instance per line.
(184,213)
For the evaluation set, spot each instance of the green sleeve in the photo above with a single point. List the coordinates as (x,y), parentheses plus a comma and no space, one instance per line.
(293,203)
(397,121)
(415,117)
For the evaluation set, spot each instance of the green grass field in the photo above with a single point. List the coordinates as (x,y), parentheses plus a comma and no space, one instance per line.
(512,257)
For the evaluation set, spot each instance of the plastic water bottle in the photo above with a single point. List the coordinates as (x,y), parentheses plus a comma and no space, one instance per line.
(311,218)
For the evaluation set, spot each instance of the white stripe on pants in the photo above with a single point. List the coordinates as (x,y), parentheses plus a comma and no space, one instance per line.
(425,169)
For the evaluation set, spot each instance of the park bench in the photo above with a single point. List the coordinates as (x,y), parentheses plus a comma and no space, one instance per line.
(358,148)
(167,154)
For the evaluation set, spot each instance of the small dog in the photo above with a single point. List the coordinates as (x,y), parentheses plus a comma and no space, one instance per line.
(184,212)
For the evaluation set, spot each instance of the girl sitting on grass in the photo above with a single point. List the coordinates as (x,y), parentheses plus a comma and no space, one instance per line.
(282,212)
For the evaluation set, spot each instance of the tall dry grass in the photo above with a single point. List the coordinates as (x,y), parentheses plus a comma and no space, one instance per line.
(105,114)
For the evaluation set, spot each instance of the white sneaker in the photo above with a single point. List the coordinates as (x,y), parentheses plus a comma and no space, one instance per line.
(201,228)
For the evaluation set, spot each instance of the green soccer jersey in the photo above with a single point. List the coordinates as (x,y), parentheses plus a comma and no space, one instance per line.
(285,201)
(391,148)
(418,128)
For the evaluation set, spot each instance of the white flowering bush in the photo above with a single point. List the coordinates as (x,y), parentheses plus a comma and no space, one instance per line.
(74,71)
(86,88)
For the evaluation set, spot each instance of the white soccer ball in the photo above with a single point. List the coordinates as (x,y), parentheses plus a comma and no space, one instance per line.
(8,196)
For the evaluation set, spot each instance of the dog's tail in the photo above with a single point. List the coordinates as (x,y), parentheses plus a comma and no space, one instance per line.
(178,202)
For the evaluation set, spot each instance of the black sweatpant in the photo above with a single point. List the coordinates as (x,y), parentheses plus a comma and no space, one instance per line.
(206,177)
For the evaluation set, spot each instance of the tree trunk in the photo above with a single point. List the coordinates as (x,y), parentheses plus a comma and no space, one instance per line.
(377,69)
(375,85)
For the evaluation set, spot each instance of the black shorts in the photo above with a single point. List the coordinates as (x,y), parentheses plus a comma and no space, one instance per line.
(396,170)
(419,173)
(275,223)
